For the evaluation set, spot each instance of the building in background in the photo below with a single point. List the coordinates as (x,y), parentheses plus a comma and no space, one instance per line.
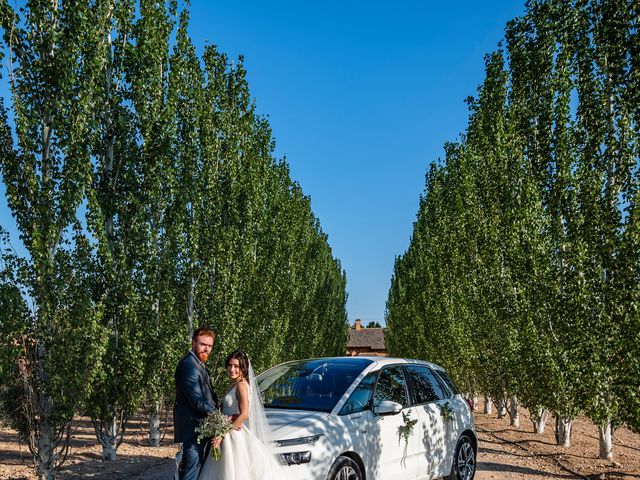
(366,341)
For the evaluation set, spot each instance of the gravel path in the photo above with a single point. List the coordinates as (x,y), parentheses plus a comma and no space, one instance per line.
(505,453)
(499,459)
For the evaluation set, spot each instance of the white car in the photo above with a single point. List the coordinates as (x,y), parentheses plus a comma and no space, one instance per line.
(369,418)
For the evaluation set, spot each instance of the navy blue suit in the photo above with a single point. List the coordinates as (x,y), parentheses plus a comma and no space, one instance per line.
(195,399)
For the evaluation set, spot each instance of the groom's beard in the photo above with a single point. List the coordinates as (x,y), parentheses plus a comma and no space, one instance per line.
(203,357)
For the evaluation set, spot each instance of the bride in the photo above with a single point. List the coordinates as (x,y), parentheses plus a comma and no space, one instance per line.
(245,452)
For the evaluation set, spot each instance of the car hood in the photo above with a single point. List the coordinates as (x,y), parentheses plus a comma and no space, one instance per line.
(294,423)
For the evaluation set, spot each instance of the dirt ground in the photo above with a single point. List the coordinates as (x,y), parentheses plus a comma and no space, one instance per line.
(505,454)
(519,454)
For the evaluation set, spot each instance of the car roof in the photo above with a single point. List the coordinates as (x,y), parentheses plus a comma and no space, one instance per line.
(395,360)
(382,361)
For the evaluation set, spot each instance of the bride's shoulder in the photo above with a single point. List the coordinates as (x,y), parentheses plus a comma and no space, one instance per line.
(242,387)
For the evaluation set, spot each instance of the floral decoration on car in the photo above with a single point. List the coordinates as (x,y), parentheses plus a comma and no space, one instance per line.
(446,411)
(405,431)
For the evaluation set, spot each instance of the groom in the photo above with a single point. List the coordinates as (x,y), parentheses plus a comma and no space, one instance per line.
(195,399)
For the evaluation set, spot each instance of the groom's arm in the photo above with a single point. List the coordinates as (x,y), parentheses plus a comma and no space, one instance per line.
(188,381)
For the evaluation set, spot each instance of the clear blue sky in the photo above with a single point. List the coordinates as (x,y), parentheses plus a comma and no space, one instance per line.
(361,97)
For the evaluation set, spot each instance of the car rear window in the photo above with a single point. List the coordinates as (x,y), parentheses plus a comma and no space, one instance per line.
(426,387)
(447,382)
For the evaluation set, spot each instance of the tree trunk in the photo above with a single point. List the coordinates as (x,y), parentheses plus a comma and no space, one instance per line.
(539,419)
(514,414)
(46,460)
(502,408)
(606,440)
(190,305)
(46,439)
(563,431)
(108,437)
(108,452)
(154,425)
(488,406)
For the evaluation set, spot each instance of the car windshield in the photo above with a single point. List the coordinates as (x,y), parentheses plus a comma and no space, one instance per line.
(309,384)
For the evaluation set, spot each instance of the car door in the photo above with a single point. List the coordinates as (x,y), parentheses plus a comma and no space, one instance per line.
(360,422)
(393,456)
(431,404)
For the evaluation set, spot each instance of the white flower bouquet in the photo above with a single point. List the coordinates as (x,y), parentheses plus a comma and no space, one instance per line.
(214,425)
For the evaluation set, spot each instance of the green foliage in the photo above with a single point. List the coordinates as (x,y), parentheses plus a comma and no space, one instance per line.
(55,347)
(447,412)
(13,330)
(252,258)
(146,193)
(406,429)
(521,274)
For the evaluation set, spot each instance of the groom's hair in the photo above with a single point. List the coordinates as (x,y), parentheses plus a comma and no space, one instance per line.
(203,331)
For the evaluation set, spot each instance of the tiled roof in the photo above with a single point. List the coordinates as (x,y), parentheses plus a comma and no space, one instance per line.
(372,338)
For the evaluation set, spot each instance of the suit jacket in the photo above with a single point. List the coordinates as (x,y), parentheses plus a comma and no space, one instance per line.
(195,397)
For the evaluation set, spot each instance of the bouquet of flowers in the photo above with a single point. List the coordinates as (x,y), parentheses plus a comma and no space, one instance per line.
(214,425)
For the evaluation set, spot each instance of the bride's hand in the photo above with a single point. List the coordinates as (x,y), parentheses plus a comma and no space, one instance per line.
(216,441)
(232,418)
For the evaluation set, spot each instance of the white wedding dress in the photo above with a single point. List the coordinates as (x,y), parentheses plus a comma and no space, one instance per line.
(243,455)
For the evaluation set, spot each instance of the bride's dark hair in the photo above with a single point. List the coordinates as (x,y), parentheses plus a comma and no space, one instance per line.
(243,362)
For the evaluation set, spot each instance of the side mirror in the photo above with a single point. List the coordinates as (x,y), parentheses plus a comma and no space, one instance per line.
(387,407)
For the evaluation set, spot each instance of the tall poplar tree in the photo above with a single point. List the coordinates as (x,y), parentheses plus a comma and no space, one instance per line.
(46,167)
(152,250)
(113,220)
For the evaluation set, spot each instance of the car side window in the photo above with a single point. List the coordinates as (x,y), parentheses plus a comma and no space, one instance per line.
(392,385)
(447,381)
(360,398)
(426,387)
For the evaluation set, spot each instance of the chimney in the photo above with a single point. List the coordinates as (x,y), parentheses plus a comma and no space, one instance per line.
(358,325)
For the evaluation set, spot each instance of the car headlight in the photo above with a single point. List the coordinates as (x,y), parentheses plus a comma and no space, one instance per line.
(294,458)
(298,441)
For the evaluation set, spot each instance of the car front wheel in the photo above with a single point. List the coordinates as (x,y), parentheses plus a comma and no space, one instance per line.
(464,460)
(344,468)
